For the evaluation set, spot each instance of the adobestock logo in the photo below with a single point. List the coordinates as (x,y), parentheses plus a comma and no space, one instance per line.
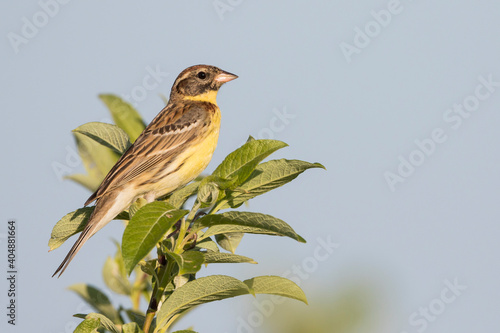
(223,6)
(428,314)
(372,29)
(71,325)
(454,118)
(31,26)
(298,273)
(280,120)
(72,159)
(151,81)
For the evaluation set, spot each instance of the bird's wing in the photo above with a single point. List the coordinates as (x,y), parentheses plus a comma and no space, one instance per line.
(164,138)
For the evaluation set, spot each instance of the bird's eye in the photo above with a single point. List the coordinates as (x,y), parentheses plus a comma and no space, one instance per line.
(202,75)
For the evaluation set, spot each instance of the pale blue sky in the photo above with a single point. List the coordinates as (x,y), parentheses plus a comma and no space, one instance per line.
(356,102)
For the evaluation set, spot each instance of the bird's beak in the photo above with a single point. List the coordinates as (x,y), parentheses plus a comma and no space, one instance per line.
(225,77)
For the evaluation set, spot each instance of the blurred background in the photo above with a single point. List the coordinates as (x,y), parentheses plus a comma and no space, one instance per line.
(398,99)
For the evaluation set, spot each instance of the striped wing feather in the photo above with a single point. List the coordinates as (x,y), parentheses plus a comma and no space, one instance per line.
(161,141)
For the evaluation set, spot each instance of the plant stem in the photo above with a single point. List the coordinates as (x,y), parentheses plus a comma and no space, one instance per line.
(147,322)
(164,280)
(180,237)
(193,212)
(152,307)
(165,272)
(215,208)
(153,302)
(164,277)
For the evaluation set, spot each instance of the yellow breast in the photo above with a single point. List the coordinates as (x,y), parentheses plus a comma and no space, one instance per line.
(190,163)
(199,155)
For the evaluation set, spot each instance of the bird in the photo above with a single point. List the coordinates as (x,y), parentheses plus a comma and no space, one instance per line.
(172,150)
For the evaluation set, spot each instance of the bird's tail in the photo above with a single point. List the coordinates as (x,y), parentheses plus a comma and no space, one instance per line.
(106,210)
(84,236)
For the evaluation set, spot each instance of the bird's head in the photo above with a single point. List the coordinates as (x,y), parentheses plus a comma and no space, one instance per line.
(200,82)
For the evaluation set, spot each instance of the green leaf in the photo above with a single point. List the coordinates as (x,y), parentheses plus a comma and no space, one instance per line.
(229,241)
(228,228)
(80,315)
(124,115)
(207,244)
(68,226)
(266,223)
(97,300)
(73,223)
(208,193)
(115,275)
(240,164)
(138,204)
(189,262)
(202,290)
(148,267)
(180,280)
(275,285)
(138,317)
(88,326)
(145,229)
(97,155)
(179,197)
(266,177)
(131,328)
(97,159)
(218,287)
(223,258)
(104,321)
(110,136)
(123,216)
(113,278)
